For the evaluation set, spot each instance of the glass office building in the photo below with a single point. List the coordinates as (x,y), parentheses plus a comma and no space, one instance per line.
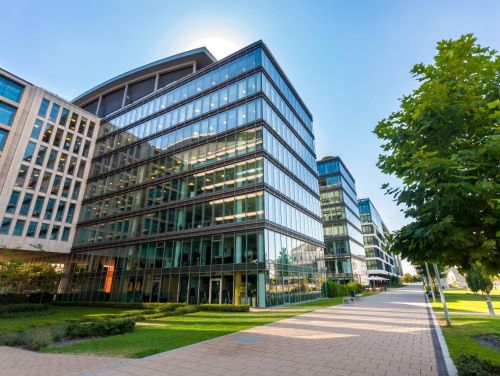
(203,191)
(380,262)
(344,253)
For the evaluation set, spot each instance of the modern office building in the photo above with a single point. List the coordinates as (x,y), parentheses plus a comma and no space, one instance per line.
(45,148)
(380,262)
(203,186)
(344,252)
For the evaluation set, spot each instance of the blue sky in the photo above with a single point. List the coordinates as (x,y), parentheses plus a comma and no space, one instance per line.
(349,60)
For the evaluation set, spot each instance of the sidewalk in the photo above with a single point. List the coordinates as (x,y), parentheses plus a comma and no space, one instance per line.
(385,334)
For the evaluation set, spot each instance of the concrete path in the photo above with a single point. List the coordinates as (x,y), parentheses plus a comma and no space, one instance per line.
(386,334)
(17,362)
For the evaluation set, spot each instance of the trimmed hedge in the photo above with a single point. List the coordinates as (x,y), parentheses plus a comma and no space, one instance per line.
(38,297)
(224,307)
(101,328)
(151,306)
(23,307)
(471,365)
(335,289)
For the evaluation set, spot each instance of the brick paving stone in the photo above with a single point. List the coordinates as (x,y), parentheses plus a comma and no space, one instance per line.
(384,334)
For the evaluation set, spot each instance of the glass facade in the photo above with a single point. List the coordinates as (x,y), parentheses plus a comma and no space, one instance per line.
(344,250)
(380,262)
(204,192)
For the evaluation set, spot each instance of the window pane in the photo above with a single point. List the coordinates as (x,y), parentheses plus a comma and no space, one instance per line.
(31,229)
(14,199)
(37,129)
(37,209)
(25,206)
(7,113)
(21,176)
(54,112)
(19,227)
(64,117)
(4,228)
(3,138)
(44,229)
(10,90)
(43,107)
(28,154)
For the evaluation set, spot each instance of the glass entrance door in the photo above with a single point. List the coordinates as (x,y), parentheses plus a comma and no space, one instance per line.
(215,291)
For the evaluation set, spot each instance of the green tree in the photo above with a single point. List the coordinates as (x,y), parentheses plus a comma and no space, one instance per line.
(407,278)
(444,145)
(478,280)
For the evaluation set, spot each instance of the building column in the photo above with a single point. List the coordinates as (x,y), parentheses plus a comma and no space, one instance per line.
(261,290)
(237,288)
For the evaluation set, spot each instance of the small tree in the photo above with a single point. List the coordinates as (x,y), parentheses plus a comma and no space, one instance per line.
(407,278)
(478,280)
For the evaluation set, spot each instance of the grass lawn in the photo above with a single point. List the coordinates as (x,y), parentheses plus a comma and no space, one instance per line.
(460,300)
(321,303)
(154,336)
(60,314)
(459,337)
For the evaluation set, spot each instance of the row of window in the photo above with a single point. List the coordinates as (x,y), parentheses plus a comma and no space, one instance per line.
(339,197)
(208,127)
(212,213)
(189,89)
(229,94)
(45,181)
(222,122)
(56,232)
(83,128)
(343,229)
(79,146)
(287,92)
(236,144)
(271,117)
(286,215)
(288,114)
(335,166)
(274,147)
(228,177)
(282,182)
(239,247)
(59,208)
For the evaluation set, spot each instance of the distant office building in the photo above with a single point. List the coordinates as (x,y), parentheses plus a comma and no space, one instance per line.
(203,186)
(45,148)
(344,252)
(380,262)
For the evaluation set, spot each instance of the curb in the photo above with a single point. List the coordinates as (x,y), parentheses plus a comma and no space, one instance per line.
(450,368)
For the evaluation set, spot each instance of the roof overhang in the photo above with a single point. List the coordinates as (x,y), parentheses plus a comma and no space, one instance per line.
(201,55)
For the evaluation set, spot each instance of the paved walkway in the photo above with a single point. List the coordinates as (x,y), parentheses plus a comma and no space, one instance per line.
(385,334)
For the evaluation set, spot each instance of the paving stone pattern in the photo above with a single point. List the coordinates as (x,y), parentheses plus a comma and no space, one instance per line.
(384,334)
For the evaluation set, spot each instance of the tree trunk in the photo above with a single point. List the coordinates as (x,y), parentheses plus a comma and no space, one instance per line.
(490,305)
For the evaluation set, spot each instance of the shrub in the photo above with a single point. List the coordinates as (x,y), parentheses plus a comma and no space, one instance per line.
(224,307)
(471,365)
(355,287)
(187,309)
(38,297)
(101,328)
(335,289)
(35,338)
(23,307)
(147,306)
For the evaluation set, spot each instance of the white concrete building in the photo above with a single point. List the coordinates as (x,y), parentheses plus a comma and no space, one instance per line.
(46,144)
